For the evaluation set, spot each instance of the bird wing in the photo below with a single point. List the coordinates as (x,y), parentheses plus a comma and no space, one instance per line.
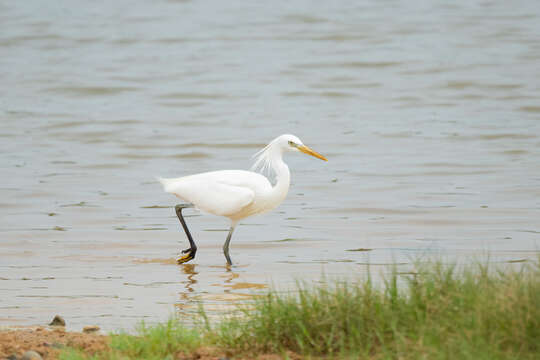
(210,194)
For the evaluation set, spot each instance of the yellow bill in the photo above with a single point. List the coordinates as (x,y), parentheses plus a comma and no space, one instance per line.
(307,150)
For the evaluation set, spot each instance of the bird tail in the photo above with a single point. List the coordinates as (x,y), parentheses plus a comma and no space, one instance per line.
(165,183)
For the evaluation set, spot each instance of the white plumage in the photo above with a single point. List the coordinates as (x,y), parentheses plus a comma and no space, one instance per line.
(223,193)
(237,194)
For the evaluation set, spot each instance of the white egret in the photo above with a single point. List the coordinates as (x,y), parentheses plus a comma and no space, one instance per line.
(237,194)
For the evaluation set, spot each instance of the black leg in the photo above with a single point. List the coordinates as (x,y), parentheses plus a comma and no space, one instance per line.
(190,253)
(226,246)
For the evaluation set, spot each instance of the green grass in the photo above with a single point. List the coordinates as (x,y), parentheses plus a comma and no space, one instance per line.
(439,312)
(159,342)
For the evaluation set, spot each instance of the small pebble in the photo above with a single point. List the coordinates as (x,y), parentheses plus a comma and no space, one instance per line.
(31,355)
(90,329)
(58,321)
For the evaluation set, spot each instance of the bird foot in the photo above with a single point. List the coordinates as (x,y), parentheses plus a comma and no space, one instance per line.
(190,255)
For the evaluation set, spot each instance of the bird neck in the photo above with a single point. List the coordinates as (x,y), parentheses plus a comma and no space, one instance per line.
(271,157)
(283,179)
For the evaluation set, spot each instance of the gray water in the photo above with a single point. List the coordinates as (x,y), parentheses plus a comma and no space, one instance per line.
(428,111)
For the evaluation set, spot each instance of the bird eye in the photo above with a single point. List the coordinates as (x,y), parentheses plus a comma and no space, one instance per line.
(291,143)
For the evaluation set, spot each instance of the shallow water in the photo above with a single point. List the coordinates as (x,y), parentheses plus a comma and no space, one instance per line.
(428,112)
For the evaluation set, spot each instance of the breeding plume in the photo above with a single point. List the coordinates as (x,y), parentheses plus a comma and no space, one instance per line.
(237,194)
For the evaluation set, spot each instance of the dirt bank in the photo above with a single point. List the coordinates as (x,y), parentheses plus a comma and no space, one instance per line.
(47,341)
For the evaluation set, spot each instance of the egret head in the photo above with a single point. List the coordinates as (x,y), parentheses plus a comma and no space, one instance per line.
(266,158)
(295,144)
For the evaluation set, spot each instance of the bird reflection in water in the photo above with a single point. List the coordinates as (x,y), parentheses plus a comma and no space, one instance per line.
(200,293)
(189,270)
(188,297)
(229,277)
(230,284)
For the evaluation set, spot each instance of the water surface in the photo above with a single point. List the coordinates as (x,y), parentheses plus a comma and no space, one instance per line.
(428,112)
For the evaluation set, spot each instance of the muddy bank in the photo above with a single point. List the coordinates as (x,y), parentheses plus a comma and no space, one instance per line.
(47,341)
